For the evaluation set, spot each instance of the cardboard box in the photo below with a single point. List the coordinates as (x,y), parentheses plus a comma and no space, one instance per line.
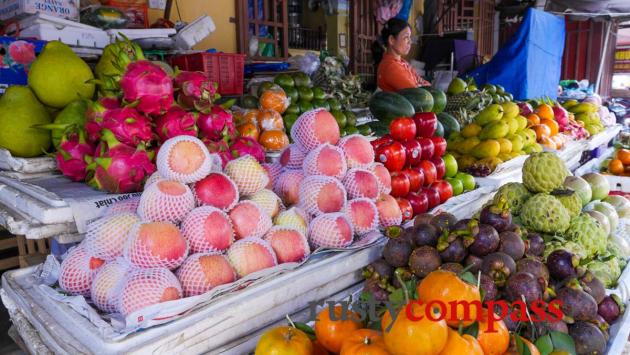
(16,60)
(17,9)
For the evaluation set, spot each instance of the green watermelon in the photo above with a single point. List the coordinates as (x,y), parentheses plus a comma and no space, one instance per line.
(284,80)
(386,106)
(293,109)
(301,79)
(439,100)
(319,93)
(421,99)
(318,103)
(305,105)
(439,130)
(449,123)
(334,104)
(292,93)
(249,101)
(306,94)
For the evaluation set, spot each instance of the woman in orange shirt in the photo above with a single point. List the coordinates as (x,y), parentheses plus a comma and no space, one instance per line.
(394,73)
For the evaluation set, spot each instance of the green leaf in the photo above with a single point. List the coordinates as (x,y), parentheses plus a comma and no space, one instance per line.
(469,277)
(397,297)
(520,346)
(544,344)
(562,341)
(306,329)
(472,330)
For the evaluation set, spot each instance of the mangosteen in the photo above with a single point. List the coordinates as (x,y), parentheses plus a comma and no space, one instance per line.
(558,326)
(475,261)
(451,249)
(423,218)
(423,260)
(513,227)
(404,274)
(588,338)
(601,323)
(511,244)
(379,270)
(593,286)
(452,267)
(534,267)
(396,252)
(443,222)
(562,264)
(523,284)
(484,242)
(424,234)
(498,218)
(610,308)
(499,266)
(576,303)
(511,324)
(491,292)
(407,234)
(373,287)
(535,245)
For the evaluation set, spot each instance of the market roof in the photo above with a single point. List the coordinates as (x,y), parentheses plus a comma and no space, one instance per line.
(604,9)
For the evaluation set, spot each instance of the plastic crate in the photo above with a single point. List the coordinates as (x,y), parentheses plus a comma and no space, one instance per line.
(138,14)
(226,69)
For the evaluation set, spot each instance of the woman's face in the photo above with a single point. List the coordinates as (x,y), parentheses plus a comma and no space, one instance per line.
(401,44)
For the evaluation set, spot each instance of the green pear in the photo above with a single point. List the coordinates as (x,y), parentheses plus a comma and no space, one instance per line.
(58,76)
(19,111)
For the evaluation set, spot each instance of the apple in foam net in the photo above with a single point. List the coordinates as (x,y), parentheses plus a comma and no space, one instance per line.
(216,190)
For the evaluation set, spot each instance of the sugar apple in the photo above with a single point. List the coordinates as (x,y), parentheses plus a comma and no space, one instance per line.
(545,214)
(512,195)
(606,271)
(569,246)
(544,172)
(588,232)
(571,201)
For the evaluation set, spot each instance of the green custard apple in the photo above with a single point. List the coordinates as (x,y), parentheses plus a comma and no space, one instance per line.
(544,172)
(586,231)
(606,271)
(545,214)
(571,201)
(512,195)
(569,246)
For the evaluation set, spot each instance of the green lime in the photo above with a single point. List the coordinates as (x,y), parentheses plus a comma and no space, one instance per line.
(490,89)
(293,109)
(305,106)
(284,80)
(456,185)
(292,93)
(264,86)
(341,119)
(289,120)
(351,130)
(342,132)
(317,103)
(364,129)
(467,179)
(301,79)
(249,101)
(319,93)
(306,93)
(352,118)
(334,104)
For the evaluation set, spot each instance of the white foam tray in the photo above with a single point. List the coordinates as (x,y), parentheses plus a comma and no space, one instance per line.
(225,320)
(20,224)
(603,137)
(42,164)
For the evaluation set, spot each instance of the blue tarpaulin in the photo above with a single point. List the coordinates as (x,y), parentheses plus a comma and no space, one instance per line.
(529,64)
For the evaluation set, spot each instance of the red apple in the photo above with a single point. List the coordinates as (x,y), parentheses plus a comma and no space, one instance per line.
(426,124)
(429,171)
(416,178)
(400,184)
(440,167)
(419,202)
(392,155)
(413,151)
(428,149)
(444,189)
(405,208)
(439,143)
(386,139)
(402,129)
(433,195)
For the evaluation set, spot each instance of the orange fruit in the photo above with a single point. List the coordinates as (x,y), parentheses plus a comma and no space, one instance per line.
(559,140)
(624,156)
(544,111)
(246,116)
(273,139)
(615,167)
(547,142)
(541,131)
(270,119)
(248,130)
(274,99)
(553,125)
(532,119)
(331,333)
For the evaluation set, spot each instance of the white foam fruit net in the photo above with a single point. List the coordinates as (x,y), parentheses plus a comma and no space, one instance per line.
(185,159)
(168,201)
(127,206)
(395,218)
(330,230)
(287,186)
(363,214)
(202,272)
(361,183)
(155,177)
(250,255)
(358,151)
(383,176)
(207,229)
(217,190)
(289,244)
(249,176)
(155,244)
(273,171)
(106,237)
(327,160)
(77,271)
(107,283)
(321,194)
(268,201)
(145,287)
(292,157)
(304,130)
(249,220)
(294,218)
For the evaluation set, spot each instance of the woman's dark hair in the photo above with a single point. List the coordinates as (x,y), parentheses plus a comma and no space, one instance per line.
(392,28)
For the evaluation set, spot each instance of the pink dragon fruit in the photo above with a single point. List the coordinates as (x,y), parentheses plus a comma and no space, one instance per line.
(525,108)
(148,87)
(73,156)
(217,124)
(195,90)
(246,145)
(94,116)
(219,147)
(117,167)
(176,122)
(561,115)
(129,126)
